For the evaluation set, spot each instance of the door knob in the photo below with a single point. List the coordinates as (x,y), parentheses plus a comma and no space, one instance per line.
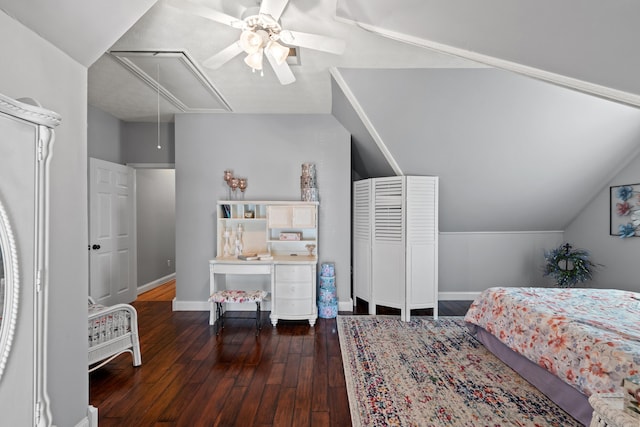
(95,247)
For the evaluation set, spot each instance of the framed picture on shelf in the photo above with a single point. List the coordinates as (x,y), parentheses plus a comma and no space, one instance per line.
(624,210)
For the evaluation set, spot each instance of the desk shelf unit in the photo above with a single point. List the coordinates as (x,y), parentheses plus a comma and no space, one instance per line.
(292,268)
(267,221)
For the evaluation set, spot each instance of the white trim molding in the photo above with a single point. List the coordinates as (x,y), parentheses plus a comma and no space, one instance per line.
(91,420)
(152,165)
(10,287)
(346,305)
(152,285)
(30,110)
(570,82)
(458,296)
(365,119)
(460,233)
(189,305)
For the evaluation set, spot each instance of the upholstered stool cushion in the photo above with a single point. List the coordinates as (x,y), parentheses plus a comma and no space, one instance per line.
(238,296)
(218,298)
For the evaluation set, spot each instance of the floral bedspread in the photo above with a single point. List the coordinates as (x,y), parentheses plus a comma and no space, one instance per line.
(590,338)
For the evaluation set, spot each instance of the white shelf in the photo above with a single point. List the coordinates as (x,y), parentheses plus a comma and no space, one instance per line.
(292,241)
(243,219)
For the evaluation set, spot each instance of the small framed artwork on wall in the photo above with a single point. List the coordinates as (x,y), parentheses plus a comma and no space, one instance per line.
(624,210)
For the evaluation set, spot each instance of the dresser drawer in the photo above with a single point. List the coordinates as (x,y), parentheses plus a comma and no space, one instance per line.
(293,273)
(293,289)
(293,307)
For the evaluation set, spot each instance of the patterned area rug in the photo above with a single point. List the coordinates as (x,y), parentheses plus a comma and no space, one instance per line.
(434,373)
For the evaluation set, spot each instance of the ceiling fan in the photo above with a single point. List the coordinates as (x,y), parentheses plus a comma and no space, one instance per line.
(262,36)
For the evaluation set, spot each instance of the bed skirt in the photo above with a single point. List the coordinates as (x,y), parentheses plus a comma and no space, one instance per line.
(568,398)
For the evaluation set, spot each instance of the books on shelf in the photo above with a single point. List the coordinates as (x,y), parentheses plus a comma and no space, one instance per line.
(255,256)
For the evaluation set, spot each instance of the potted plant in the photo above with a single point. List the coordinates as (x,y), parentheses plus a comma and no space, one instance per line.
(568,267)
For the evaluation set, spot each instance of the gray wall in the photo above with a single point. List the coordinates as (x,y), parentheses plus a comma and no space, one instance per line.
(113,140)
(269,151)
(140,142)
(590,230)
(366,158)
(104,136)
(512,153)
(155,213)
(40,71)
(518,159)
(121,142)
(588,40)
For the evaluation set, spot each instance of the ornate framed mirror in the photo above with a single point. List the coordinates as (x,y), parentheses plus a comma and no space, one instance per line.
(9,287)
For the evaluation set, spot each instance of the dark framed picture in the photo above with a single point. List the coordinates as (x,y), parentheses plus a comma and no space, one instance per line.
(226,211)
(624,211)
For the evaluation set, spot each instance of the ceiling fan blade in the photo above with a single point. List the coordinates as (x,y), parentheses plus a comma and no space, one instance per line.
(206,12)
(222,57)
(283,71)
(313,41)
(273,8)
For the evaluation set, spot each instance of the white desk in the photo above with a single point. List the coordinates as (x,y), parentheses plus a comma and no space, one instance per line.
(292,278)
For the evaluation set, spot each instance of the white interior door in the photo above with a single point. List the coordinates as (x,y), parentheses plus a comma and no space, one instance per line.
(112,233)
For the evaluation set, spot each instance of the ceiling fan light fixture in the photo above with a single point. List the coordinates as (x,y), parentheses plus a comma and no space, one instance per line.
(287,37)
(251,41)
(278,52)
(254,60)
(262,32)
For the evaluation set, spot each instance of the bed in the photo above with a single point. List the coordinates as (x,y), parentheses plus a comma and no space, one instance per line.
(113,330)
(569,343)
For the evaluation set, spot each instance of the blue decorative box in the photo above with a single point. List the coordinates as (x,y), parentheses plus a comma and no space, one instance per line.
(327,269)
(327,311)
(327,295)
(327,282)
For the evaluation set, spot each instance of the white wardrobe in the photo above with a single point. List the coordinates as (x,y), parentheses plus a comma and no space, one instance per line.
(26,140)
(395,243)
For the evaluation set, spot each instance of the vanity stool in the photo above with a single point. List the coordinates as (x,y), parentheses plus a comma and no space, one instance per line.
(234,296)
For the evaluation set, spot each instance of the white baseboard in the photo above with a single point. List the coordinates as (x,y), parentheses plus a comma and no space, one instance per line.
(266,306)
(161,281)
(190,305)
(457,296)
(91,420)
(345,305)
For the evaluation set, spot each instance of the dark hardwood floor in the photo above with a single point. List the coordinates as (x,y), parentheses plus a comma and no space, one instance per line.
(290,375)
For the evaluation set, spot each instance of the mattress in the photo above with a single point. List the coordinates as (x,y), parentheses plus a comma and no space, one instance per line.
(589,338)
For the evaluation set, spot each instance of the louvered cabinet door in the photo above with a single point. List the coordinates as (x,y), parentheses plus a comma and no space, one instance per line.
(395,243)
(388,258)
(362,242)
(421,216)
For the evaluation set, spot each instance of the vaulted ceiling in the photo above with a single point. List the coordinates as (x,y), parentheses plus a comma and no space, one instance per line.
(421,86)
(586,44)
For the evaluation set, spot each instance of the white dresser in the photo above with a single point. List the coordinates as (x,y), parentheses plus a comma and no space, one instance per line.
(294,292)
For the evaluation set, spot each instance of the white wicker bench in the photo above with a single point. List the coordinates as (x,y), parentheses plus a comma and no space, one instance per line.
(112,331)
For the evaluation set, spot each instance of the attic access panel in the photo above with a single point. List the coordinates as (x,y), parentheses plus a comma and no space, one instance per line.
(181,81)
